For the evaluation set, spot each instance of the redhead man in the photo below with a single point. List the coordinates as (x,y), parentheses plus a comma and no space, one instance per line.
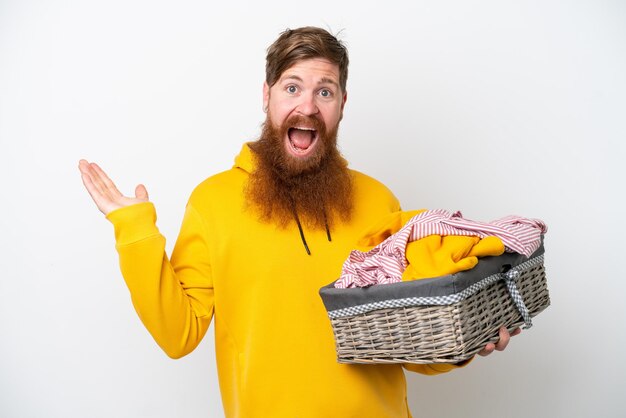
(256,244)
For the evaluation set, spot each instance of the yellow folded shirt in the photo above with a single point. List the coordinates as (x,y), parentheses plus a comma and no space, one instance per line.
(487,246)
(437,255)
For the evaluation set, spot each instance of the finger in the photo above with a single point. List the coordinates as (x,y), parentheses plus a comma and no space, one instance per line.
(106,181)
(489,348)
(90,179)
(87,169)
(91,188)
(83,166)
(102,202)
(505,337)
(516,331)
(141,192)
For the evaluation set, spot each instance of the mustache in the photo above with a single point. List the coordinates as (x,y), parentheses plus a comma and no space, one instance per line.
(295,121)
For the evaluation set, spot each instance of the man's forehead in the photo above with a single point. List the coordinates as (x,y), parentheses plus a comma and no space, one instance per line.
(320,70)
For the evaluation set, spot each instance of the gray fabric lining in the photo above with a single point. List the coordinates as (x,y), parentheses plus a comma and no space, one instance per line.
(508,277)
(336,299)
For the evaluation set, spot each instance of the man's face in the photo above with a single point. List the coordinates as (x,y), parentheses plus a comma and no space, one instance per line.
(303,104)
(300,172)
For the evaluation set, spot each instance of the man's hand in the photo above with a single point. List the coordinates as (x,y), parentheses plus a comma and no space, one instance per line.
(505,337)
(103,190)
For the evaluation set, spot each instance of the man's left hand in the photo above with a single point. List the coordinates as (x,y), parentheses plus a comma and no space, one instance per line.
(505,337)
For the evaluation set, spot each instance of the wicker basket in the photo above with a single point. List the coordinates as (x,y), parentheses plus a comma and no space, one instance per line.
(441,320)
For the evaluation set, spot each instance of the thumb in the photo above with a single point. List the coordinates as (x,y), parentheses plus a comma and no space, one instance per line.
(141,192)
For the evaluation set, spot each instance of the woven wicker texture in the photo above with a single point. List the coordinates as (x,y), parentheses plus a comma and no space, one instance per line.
(438,334)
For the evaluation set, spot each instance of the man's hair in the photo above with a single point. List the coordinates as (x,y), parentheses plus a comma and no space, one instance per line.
(294,45)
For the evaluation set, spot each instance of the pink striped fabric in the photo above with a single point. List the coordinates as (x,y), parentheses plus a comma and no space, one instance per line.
(386,262)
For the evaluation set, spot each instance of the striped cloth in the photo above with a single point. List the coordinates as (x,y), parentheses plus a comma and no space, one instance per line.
(386,262)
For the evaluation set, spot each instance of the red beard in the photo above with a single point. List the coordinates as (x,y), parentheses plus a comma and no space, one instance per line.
(316,188)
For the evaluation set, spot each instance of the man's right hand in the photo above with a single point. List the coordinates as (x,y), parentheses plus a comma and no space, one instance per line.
(103,190)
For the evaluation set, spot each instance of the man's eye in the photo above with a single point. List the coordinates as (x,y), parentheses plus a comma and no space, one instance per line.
(326,93)
(292,89)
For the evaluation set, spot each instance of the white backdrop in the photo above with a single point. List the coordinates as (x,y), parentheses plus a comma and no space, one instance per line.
(490,107)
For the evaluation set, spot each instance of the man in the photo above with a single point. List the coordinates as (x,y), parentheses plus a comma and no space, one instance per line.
(256,244)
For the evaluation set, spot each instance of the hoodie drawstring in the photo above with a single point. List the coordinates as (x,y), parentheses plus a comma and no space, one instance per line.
(295,215)
(306,247)
(326,225)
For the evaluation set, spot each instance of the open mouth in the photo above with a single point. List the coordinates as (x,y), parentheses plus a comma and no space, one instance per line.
(302,140)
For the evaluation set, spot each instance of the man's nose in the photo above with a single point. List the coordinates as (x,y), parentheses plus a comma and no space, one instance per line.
(307,105)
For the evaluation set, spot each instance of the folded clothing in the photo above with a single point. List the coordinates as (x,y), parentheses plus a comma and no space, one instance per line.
(434,243)
(437,255)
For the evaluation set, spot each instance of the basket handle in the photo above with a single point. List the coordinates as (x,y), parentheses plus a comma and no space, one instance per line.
(509,278)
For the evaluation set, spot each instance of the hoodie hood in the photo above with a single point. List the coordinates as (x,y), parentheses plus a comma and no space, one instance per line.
(245,159)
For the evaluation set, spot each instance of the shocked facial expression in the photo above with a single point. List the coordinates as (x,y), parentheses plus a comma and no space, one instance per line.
(304,103)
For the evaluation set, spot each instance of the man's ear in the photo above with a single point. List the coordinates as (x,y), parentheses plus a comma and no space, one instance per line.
(266,96)
(343,103)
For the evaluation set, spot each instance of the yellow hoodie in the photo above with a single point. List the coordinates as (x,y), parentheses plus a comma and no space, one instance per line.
(274,344)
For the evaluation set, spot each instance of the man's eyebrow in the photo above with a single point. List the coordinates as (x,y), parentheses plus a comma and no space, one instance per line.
(328,80)
(323,80)
(292,77)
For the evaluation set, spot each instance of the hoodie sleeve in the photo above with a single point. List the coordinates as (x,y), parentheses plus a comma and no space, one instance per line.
(174,300)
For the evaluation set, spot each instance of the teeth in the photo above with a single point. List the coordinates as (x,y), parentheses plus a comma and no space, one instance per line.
(304,129)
